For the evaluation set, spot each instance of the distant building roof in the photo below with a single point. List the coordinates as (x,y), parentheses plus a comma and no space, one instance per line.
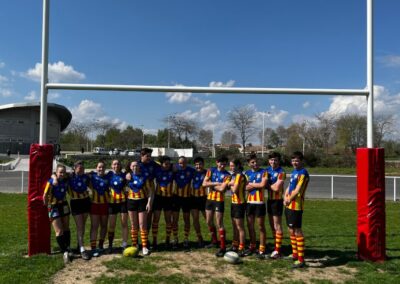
(62,112)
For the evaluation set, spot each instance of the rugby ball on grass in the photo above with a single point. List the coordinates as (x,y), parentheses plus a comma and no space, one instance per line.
(232,257)
(131,252)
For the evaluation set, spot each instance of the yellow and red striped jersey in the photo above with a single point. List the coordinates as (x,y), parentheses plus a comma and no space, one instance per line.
(183,181)
(117,187)
(56,193)
(214,175)
(100,188)
(198,190)
(78,186)
(239,196)
(298,178)
(273,176)
(164,182)
(139,187)
(256,195)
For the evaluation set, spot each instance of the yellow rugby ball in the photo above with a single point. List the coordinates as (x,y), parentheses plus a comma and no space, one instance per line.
(131,252)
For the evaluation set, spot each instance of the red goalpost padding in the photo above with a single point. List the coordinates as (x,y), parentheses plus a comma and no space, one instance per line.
(40,169)
(371,223)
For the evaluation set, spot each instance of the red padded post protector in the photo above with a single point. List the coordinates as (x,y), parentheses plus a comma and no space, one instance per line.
(40,169)
(371,223)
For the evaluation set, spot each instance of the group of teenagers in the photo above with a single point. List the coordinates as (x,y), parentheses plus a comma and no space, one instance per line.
(145,189)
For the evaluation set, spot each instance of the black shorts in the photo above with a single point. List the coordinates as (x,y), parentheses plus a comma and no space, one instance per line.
(80,206)
(258,210)
(199,203)
(115,208)
(275,207)
(293,218)
(137,204)
(162,203)
(217,206)
(238,210)
(58,210)
(183,203)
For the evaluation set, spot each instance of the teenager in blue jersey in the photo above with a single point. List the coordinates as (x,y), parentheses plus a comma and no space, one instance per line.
(140,195)
(183,175)
(54,197)
(163,200)
(99,185)
(148,167)
(117,204)
(276,180)
(217,180)
(198,198)
(294,202)
(256,208)
(80,203)
(238,206)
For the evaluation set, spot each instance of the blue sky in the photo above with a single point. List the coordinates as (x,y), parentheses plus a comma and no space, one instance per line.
(260,43)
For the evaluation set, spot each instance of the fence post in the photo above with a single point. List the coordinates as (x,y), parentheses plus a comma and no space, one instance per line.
(22,181)
(332,187)
(394,189)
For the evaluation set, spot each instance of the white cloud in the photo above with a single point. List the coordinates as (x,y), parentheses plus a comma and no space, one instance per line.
(272,118)
(390,60)
(31,96)
(306,104)
(3,79)
(230,83)
(5,93)
(384,103)
(58,72)
(2,64)
(90,111)
(178,97)
(54,96)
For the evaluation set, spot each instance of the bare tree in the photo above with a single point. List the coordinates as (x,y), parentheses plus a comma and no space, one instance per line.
(205,137)
(183,127)
(242,120)
(384,124)
(228,138)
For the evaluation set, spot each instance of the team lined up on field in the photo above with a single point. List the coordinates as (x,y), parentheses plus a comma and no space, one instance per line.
(147,188)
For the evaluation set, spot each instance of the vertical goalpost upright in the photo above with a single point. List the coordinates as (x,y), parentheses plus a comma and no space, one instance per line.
(371,227)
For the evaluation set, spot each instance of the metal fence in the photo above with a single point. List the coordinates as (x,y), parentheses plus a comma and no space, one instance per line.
(320,186)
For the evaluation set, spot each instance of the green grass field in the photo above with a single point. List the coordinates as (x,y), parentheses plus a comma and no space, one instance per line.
(330,232)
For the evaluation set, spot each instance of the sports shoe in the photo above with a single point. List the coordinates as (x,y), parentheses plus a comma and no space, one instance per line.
(261,255)
(240,253)
(211,245)
(186,245)
(299,264)
(66,257)
(85,255)
(200,244)
(109,250)
(220,253)
(95,253)
(174,244)
(145,251)
(232,248)
(249,252)
(275,255)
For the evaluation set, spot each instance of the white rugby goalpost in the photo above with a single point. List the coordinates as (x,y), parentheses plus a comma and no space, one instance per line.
(363,172)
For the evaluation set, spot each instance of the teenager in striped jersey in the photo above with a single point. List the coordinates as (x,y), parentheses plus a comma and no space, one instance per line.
(238,208)
(294,202)
(276,180)
(140,194)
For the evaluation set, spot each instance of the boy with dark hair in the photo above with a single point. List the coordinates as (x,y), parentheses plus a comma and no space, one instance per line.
(294,202)
(276,180)
(256,209)
(198,197)
(217,180)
